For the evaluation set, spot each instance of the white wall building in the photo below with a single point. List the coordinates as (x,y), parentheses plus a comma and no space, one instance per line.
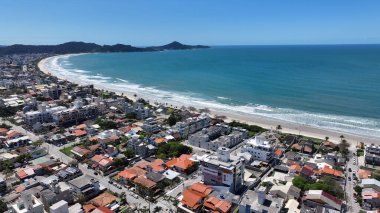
(259,148)
(27,204)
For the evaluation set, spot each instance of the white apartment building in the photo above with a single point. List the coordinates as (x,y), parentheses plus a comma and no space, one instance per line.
(42,115)
(27,204)
(260,149)
(223,171)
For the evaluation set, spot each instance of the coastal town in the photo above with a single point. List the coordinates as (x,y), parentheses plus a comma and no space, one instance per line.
(78,149)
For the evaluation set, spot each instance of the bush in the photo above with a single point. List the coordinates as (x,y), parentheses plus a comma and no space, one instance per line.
(172,149)
(253,129)
(326,184)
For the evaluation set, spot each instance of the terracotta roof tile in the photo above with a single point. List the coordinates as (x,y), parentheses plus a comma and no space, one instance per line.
(103,199)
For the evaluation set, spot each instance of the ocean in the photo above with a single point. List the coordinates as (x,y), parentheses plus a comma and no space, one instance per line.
(335,87)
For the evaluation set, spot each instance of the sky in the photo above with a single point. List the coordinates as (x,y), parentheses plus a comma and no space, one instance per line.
(208,22)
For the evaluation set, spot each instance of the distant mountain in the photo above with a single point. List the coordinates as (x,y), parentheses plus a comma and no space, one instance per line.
(82,47)
(175,45)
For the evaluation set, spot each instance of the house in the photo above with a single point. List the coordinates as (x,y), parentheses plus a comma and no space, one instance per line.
(27,204)
(86,187)
(182,164)
(327,171)
(129,174)
(80,152)
(103,199)
(286,192)
(315,198)
(259,202)
(103,164)
(307,172)
(364,174)
(294,169)
(29,172)
(328,145)
(57,191)
(145,187)
(216,205)
(192,197)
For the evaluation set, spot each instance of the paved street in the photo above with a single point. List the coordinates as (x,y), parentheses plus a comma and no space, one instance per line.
(351,205)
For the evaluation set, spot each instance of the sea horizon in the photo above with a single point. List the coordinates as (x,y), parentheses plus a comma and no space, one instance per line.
(313,113)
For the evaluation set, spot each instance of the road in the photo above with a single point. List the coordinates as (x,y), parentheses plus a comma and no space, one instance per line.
(350,184)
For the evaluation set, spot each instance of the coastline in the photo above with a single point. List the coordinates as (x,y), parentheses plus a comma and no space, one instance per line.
(265,122)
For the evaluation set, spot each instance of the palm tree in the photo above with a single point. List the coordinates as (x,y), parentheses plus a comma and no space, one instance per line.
(327,138)
(341,137)
(278,127)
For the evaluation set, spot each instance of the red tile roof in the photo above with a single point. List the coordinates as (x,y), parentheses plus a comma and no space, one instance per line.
(329,171)
(79,133)
(97,158)
(88,208)
(201,188)
(131,173)
(182,162)
(191,199)
(144,182)
(278,152)
(217,205)
(103,199)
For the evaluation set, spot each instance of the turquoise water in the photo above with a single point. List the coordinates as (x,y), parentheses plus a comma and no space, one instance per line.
(334,87)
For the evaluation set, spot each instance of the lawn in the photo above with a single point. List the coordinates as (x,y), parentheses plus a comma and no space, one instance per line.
(360,152)
(66,150)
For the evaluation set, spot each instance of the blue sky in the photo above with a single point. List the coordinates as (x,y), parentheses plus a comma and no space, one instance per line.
(211,22)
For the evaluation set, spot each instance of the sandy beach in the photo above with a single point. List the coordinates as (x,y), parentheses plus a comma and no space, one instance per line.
(268,123)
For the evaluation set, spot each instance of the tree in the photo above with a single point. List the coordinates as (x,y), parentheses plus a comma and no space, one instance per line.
(3,206)
(341,137)
(157,209)
(327,138)
(343,147)
(129,153)
(173,119)
(358,189)
(37,143)
(300,182)
(172,149)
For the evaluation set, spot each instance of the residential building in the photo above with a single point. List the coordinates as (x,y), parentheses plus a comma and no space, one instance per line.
(139,109)
(193,197)
(86,187)
(286,192)
(372,154)
(192,125)
(260,149)
(59,207)
(259,202)
(151,126)
(27,204)
(57,191)
(42,115)
(315,198)
(224,171)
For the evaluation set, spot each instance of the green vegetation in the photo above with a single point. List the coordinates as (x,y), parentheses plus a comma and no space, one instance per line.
(7,111)
(253,129)
(5,126)
(376,175)
(326,184)
(66,150)
(129,153)
(3,206)
(360,152)
(358,189)
(131,115)
(343,146)
(173,119)
(172,149)
(105,124)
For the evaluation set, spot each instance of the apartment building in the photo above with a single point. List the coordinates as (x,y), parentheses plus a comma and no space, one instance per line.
(223,171)
(260,149)
(372,154)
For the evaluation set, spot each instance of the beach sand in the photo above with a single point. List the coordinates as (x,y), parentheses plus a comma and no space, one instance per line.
(268,123)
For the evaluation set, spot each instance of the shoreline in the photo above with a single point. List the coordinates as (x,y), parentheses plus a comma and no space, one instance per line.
(265,122)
